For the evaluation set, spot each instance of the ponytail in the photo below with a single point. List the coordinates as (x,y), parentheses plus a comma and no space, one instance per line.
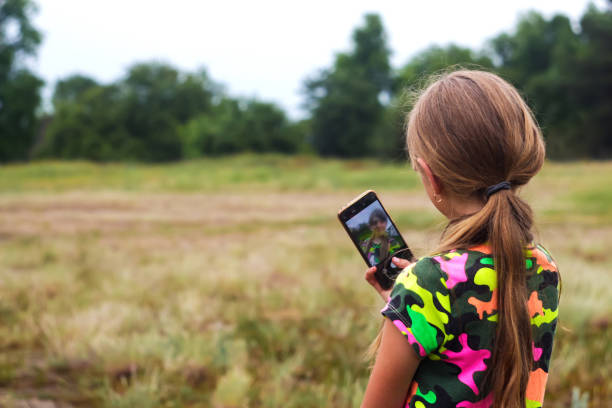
(505,222)
(512,355)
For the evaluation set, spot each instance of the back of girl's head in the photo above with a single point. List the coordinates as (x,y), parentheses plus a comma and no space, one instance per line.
(474,130)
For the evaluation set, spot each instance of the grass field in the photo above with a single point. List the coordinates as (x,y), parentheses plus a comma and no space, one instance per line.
(229,282)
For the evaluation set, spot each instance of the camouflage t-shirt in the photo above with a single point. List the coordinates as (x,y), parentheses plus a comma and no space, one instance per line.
(446,306)
(374,254)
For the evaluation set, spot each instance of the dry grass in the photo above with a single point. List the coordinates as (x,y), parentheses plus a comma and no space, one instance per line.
(243,295)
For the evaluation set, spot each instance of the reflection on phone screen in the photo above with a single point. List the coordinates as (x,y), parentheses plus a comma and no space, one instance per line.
(375,234)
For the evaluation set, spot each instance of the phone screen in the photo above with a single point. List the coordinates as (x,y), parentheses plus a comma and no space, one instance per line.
(374,233)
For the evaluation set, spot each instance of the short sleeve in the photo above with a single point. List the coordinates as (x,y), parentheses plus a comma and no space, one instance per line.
(419,306)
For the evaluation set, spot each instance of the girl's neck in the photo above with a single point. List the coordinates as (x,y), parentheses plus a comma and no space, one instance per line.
(456,207)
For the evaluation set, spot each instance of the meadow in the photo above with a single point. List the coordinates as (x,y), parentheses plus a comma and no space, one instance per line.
(229,282)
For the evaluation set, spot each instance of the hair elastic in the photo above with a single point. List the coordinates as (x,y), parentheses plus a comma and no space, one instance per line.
(504,185)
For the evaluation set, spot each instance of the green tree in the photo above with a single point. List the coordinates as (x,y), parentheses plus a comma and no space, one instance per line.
(532,49)
(135,118)
(70,89)
(240,125)
(19,88)
(266,128)
(158,100)
(215,133)
(592,87)
(92,126)
(345,101)
(565,78)
(437,59)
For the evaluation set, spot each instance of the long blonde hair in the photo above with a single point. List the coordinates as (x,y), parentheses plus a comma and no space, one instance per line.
(383,237)
(474,130)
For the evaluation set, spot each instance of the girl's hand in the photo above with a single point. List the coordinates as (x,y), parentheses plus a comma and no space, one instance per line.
(371,279)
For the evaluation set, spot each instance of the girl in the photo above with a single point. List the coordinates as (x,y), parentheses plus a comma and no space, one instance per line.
(473,324)
(380,245)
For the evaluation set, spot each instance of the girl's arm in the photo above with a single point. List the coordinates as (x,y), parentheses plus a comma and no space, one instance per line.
(394,368)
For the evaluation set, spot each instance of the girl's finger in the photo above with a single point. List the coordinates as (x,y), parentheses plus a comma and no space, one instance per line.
(369,275)
(402,263)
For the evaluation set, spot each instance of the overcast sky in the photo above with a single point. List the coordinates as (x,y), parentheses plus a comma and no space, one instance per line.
(261,48)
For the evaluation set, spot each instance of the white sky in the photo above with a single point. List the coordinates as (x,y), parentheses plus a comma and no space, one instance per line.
(261,48)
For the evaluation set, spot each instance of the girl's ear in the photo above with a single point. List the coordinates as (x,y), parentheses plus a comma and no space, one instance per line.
(433,180)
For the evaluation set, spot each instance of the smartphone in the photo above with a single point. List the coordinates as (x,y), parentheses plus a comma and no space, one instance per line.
(375,236)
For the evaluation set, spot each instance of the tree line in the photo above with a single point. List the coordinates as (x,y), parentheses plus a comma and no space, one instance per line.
(156,112)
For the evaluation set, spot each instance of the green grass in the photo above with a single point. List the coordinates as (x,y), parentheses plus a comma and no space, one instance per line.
(211,175)
(229,282)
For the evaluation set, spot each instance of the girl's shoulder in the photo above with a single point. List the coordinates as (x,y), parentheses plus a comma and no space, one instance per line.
(534,251)
(541,257)
(453,263)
